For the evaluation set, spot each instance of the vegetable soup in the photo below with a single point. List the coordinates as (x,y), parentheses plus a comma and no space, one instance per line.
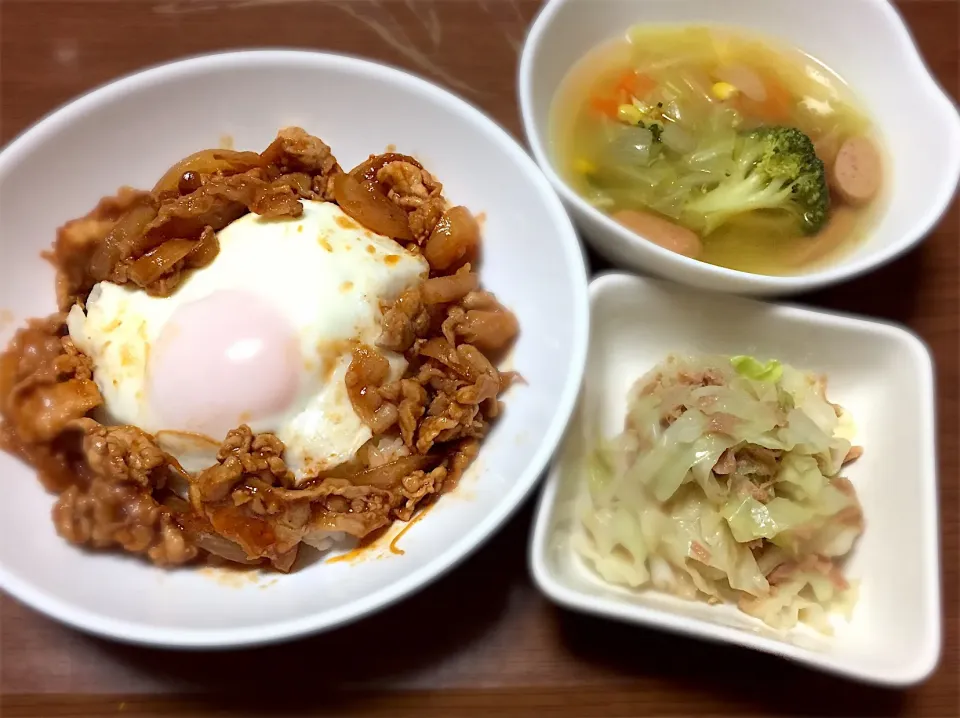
(721,145)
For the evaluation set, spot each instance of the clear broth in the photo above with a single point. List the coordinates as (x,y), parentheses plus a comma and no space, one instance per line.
(684,62)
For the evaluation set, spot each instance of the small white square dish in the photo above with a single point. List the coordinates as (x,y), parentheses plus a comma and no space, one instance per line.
(881,374)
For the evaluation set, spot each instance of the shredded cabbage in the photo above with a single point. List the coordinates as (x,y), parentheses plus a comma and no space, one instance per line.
(725,486)
(751,368)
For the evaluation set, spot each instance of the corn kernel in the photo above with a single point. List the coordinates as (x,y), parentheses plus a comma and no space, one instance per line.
(584,167)
(724,90)
(630,114)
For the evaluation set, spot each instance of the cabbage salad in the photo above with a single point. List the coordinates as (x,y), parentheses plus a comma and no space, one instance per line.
(726,485)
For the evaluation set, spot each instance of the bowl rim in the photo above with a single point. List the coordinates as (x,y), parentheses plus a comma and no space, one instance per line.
(605,605)
(724,277)
(132,632)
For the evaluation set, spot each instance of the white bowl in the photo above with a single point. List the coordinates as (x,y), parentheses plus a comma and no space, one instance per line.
(865,41)
(880,372)
(129,132)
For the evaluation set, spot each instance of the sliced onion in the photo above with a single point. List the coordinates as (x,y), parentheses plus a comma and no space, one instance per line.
(386,476)
(441,290)
(389,475)
(366,203)
(157,262)
(224,548)
(367,170)
(207,162)
(125,239)
(454,240)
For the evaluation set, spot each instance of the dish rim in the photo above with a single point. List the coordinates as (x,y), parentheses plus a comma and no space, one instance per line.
(606,605)
(223,638)
(723,277)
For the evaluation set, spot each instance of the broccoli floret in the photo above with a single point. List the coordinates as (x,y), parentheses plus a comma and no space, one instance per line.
(777,168)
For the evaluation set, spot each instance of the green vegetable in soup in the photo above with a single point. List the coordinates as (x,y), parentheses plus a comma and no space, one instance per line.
(776,168)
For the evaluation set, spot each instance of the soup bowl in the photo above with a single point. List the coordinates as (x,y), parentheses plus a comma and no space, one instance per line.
(864,41)
(115,136)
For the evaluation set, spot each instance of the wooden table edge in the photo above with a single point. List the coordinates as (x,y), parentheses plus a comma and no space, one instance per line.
(542,701)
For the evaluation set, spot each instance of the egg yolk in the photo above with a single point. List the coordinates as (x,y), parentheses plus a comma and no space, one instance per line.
(228,359)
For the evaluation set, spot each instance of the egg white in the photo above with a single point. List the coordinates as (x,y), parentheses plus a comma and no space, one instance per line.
(323,271)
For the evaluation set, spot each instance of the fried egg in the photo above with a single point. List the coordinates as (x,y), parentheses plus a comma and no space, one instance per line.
(262,336)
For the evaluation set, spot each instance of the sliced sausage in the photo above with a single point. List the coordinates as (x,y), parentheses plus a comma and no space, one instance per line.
(661,231)
(857,171)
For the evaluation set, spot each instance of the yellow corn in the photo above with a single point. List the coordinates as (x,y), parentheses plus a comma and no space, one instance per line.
(724,90)
(630,114)
(584,167)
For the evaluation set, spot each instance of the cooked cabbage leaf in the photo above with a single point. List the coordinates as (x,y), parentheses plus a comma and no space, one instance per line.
(725,486)
(753,368)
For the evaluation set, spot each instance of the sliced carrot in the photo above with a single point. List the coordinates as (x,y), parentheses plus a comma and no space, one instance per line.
(629,85)
(779,103)
(607,106)
(624,82)
(777,108)
(636,84)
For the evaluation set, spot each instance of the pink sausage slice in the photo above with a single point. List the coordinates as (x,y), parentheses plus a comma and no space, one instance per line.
(857,171)
(661,231)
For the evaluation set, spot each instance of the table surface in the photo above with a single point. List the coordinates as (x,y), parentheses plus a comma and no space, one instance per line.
(482,639)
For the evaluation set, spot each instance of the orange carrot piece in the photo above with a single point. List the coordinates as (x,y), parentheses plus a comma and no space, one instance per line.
(777,106)
(607,106)
(629,85)
(643,85)
(636,84)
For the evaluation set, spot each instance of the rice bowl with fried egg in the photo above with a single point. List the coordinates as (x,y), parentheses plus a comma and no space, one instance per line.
(262,351)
